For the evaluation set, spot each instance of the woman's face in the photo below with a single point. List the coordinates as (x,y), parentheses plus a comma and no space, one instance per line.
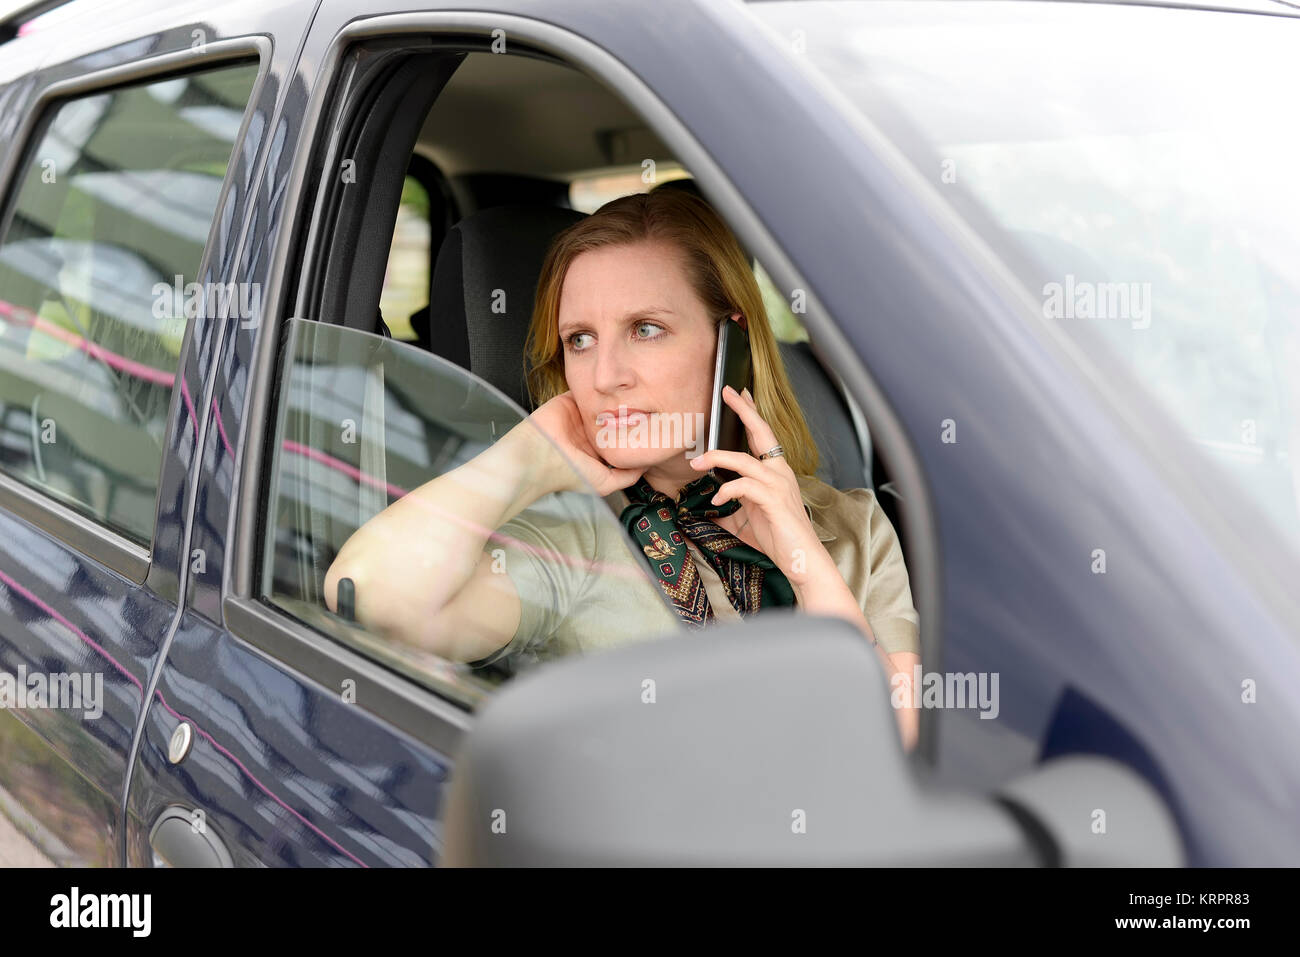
(634,334)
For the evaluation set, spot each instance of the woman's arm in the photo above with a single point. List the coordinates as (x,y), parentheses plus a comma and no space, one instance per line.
(419,566)
(770,491)
(825,592)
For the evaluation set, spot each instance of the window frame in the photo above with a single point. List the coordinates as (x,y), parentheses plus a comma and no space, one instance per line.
(297,246)
(78,531)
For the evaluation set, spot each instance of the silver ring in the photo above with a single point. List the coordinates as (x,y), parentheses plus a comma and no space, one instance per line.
(772,453)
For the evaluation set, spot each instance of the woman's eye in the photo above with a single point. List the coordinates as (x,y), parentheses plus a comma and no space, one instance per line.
(575,341)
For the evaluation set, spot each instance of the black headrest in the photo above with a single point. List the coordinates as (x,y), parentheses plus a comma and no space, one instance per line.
(482,290)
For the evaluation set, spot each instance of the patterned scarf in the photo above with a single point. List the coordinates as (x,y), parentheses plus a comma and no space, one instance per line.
(750,579)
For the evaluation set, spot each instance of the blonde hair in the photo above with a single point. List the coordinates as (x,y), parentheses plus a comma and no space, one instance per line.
(716,269)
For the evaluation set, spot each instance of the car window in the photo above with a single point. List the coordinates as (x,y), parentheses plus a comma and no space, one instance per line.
(366,425)
(1145,200)
(364,420)
(406,280)
(97,272)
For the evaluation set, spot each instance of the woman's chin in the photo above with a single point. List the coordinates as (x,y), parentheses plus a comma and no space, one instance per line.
(639,459)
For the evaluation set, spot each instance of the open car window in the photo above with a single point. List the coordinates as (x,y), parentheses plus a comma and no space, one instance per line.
(362,420)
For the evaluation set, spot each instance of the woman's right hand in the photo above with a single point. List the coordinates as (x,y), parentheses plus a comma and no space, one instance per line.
(561,422)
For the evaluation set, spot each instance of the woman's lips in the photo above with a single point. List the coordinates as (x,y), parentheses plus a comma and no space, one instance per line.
(618,416)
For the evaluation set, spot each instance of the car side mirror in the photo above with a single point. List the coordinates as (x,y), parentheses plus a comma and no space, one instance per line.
(768,742)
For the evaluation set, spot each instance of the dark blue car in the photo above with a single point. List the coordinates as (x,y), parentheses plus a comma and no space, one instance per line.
(1035,267)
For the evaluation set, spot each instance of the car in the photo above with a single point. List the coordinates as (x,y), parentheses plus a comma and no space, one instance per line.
(265,268)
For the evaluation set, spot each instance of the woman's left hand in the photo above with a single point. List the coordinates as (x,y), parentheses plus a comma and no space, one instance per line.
(769,490)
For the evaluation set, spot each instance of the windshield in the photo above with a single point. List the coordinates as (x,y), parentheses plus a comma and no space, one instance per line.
(1141,159)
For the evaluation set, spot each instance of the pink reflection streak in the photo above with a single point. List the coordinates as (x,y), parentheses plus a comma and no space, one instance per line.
(216,414)
(25,317)
(35,600)
(189,405)
(549,554)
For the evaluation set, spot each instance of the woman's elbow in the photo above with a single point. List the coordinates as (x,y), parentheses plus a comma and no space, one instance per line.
(342,567)
(374,605)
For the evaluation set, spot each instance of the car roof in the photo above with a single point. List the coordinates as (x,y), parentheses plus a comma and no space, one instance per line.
(17,12)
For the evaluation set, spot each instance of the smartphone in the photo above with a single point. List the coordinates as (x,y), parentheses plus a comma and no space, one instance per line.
(732,366)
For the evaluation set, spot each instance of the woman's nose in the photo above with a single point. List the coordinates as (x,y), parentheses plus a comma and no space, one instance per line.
(614,370)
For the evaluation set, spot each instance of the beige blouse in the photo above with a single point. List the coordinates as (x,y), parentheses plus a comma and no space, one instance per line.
(582,586)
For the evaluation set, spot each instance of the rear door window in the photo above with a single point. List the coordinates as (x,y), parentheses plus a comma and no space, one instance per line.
(107,229)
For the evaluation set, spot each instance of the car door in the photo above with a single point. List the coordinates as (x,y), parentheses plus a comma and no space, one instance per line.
(122,159)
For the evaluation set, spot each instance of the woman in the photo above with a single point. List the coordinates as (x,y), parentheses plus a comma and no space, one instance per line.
(621,349)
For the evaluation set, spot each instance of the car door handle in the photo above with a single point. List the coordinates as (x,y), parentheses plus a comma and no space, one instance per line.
(182,837)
